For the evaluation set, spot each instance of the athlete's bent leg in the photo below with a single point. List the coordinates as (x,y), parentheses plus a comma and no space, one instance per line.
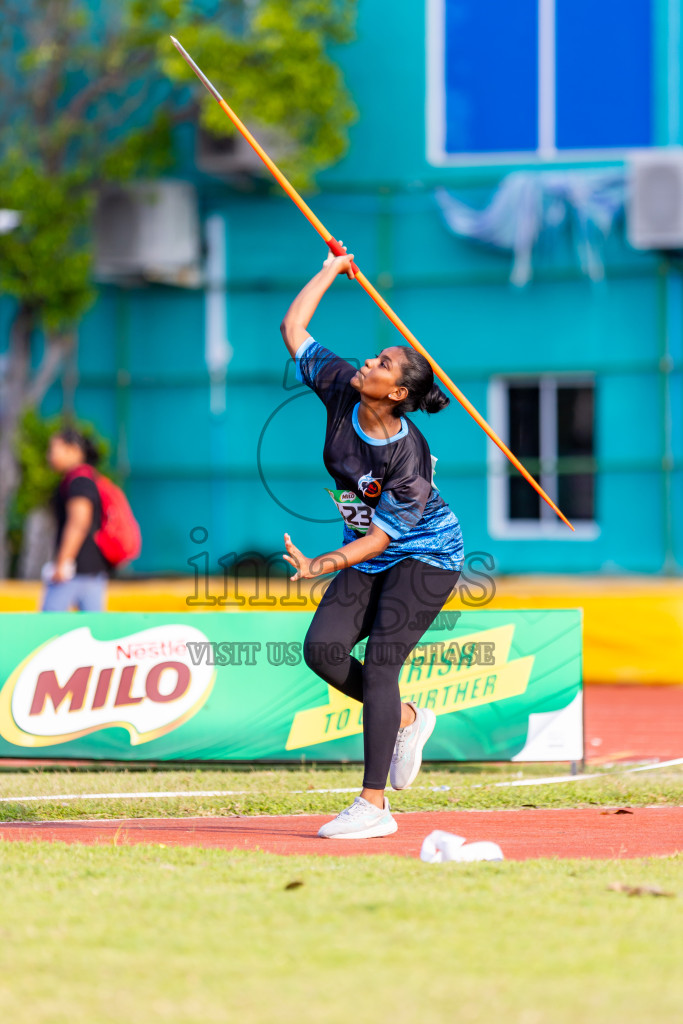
(413,593)
(344,616)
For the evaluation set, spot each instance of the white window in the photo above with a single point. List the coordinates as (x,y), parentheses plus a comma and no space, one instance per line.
(514,80)
(548,422)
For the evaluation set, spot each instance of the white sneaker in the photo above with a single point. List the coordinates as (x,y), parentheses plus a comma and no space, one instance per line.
(407,756)
(362,820)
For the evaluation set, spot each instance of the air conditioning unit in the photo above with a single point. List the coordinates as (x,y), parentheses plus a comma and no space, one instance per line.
(655,206)
(148,231)
(225,154)
(231,155)
(9,220)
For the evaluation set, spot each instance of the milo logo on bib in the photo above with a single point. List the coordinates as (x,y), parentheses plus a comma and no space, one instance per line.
(352,510)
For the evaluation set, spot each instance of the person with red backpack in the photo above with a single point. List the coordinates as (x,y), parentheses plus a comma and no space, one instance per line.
(96,530)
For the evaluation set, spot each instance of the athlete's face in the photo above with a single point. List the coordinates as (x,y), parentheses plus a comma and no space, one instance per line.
(379,376)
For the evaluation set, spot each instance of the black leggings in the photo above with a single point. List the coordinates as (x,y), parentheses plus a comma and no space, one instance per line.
(392,609)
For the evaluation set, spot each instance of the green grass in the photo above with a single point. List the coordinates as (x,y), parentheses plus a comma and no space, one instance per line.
(293,791)
(92,935)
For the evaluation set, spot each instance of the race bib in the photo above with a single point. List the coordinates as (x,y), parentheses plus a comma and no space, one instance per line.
(352,510)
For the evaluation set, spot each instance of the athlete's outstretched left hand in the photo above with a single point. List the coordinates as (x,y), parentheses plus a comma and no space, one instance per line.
(298,560)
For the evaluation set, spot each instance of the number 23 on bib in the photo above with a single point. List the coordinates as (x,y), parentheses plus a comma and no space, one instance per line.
(352,510)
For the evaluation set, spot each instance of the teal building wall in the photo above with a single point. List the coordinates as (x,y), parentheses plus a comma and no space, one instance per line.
(142,376)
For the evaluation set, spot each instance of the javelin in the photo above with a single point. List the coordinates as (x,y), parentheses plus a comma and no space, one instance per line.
(338,250)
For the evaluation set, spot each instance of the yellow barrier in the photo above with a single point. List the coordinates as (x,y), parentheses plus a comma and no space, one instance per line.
(633,627)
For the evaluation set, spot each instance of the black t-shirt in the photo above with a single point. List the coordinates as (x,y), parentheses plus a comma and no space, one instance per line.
(89,561)
(387,481)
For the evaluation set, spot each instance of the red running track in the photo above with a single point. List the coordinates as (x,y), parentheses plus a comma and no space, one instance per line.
(595,833)
(633,722)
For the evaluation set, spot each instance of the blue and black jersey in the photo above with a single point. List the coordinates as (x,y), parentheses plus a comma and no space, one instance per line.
(387,481)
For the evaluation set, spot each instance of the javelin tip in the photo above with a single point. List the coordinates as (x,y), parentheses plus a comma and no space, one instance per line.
(198,72)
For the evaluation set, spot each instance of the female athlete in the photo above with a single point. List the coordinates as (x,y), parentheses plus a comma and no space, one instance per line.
(402,549)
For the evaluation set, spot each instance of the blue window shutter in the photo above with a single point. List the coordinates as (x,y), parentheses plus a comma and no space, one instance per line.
(491,70)
(604,73)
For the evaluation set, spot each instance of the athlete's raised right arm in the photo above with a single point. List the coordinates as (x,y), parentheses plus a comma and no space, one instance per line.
(299,314)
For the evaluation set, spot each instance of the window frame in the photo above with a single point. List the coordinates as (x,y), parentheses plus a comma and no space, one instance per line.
(549,526)
(546,151)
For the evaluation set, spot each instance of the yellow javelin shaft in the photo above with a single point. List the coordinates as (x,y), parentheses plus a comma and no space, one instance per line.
(336,248)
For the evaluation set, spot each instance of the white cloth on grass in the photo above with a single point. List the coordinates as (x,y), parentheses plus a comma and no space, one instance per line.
(440,846)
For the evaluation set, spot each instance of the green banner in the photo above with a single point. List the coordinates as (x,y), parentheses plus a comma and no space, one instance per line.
(234,687)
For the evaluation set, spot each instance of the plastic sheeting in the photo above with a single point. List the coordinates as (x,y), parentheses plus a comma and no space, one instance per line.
(529,202)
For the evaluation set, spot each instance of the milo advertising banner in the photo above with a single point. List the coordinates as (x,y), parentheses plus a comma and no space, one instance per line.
(223,687)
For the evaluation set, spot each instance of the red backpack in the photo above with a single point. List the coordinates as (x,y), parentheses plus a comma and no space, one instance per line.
(118,538)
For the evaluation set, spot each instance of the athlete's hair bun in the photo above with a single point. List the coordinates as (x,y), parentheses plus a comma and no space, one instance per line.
(435,400)
(418,378)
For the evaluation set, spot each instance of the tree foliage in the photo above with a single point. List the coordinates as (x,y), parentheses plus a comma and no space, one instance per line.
(92,93)
(88,98)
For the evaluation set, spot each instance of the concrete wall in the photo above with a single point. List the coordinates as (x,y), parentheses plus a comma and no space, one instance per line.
(143,378)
